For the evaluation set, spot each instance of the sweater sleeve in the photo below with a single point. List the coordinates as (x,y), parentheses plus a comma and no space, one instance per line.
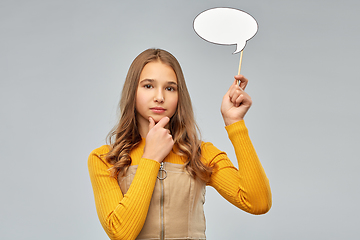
(247,187)
(122,217)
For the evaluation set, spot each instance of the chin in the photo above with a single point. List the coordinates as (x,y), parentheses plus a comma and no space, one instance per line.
(157,118)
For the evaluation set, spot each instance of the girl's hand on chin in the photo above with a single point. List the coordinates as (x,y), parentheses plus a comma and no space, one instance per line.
(235,102)
(159,141)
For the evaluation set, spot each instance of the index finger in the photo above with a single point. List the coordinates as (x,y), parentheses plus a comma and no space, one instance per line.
(162,123)
(242,81)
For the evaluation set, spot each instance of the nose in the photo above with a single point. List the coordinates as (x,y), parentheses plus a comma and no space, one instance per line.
(159,97)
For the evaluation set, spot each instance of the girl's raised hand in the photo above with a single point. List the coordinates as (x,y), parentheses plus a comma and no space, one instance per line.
(235,102)
(159,141)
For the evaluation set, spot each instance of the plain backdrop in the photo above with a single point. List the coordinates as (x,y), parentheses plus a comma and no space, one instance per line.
(62,67)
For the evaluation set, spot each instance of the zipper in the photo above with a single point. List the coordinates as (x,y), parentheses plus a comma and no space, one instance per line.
(162,175)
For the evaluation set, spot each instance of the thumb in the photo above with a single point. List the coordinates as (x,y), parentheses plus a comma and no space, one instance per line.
(151,123)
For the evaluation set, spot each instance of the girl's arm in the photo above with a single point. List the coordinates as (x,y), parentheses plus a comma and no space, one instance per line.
(247,188)
(122,217)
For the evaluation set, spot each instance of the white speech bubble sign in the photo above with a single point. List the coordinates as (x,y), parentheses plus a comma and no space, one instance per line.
(226,26)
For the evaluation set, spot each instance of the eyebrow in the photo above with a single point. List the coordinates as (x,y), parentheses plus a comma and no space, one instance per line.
(152,80)
(147,80)
(172,83)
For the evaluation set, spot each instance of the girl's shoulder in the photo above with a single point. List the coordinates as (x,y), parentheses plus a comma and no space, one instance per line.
(209,151)
(103,150)
(97,155)
(97,164)
(208,146)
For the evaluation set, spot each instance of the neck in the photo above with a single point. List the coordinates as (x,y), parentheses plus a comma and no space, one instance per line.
(143,131)
(143,127)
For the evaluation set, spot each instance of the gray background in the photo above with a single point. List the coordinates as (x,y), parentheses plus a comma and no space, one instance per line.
(62,66)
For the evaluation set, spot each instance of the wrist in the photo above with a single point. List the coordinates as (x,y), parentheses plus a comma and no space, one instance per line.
(229,121)
(147,156)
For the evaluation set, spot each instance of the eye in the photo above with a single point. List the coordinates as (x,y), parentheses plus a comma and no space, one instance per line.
(148,86)
(171,89)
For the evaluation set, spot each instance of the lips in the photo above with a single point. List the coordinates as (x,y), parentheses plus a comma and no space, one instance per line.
(158,109)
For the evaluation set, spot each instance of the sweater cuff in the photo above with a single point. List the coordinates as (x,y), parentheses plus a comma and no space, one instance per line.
(145,177)
(236,129)
(150,165)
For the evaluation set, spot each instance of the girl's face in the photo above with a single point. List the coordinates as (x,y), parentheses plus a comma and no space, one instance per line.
(157,93)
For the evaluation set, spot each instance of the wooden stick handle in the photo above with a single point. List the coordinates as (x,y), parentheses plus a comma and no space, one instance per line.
(241,55)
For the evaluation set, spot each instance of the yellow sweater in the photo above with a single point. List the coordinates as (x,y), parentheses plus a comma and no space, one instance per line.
(122,217)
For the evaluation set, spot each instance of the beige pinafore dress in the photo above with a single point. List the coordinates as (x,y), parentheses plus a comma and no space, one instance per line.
(176,207)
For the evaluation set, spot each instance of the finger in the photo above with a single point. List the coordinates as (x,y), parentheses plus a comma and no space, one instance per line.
(239,100)
(243,81)
(246,101)
(235,92)
(233,89)
(151,123)
(235,97)
(162,123)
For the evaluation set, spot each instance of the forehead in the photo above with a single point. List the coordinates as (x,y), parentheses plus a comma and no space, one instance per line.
(158,71)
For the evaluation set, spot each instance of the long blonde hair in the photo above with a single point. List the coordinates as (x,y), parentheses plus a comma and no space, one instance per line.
(125,135)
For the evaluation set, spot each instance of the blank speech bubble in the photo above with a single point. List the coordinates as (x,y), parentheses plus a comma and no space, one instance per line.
(226,26)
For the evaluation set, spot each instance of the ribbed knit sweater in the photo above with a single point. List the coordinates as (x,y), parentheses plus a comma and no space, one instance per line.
(122,216)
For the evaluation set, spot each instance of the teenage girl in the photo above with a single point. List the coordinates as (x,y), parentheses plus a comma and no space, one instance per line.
(149,182)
